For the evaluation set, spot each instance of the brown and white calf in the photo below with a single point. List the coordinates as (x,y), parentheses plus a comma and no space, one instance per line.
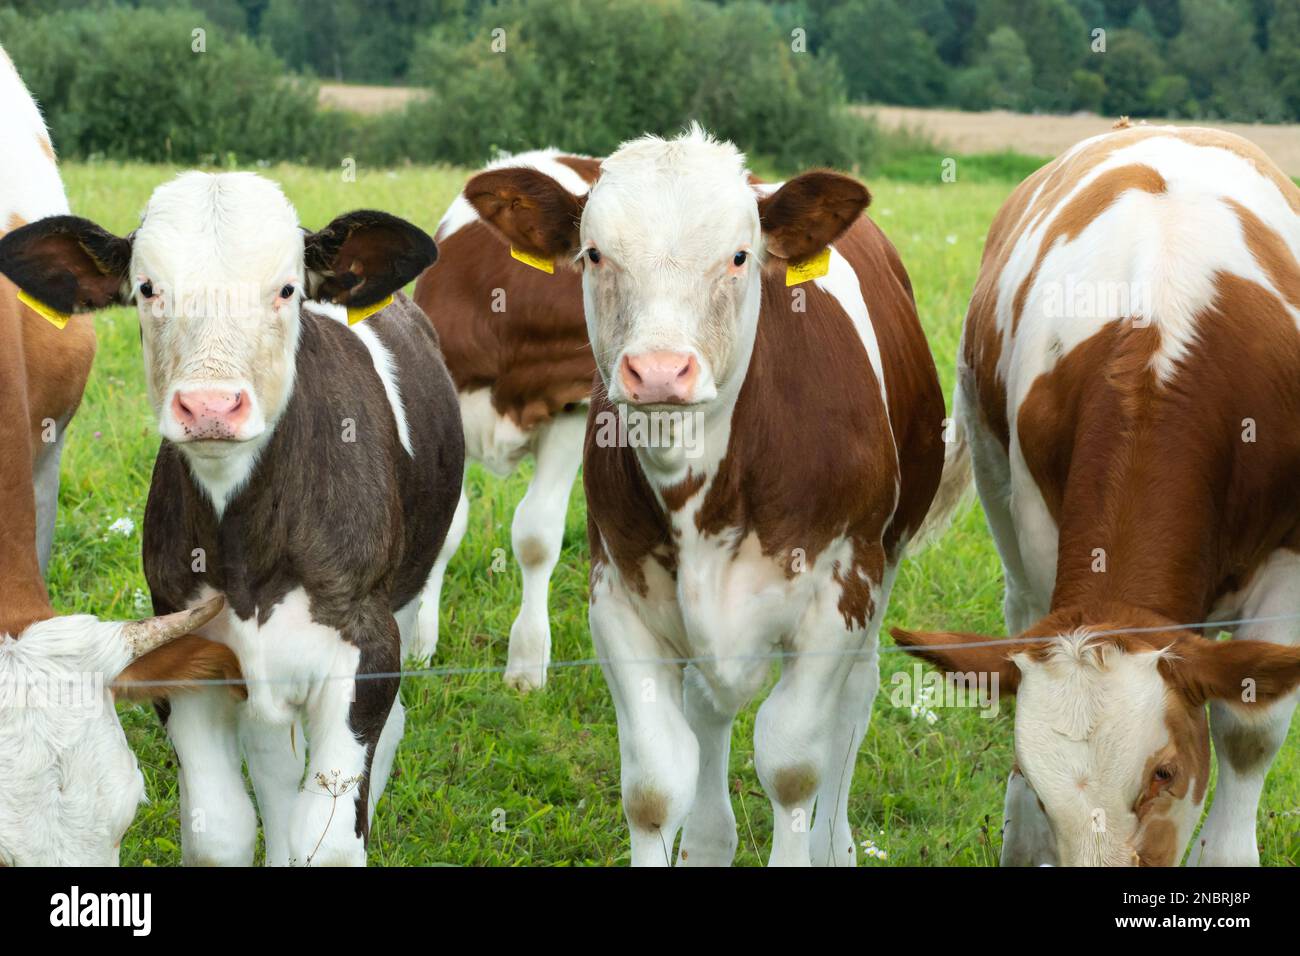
(308,475)
(71,783)
(516,345)
(790,445)
(1129,382)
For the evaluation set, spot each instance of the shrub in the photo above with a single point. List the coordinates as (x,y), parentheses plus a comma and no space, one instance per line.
(125,83)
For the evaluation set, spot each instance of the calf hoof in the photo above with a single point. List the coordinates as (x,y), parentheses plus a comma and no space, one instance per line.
(528,657)
(526,676)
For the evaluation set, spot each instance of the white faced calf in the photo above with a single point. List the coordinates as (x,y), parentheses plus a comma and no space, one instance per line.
(817,449)
(308,473)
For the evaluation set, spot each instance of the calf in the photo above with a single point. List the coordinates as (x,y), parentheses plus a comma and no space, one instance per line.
(516,346)
(799,447)
(307,474)
(71,783)
(1129,382)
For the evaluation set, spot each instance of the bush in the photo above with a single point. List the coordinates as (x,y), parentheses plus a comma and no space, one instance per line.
(127,84)
(587,83)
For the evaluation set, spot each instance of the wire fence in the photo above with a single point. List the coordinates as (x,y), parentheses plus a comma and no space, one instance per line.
(683,661)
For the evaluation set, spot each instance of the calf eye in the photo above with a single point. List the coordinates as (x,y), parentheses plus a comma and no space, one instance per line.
(740,257)
(146,289)
(287,292)
(593,255)
(1164,774)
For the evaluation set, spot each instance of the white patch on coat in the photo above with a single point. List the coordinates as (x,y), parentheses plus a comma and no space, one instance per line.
(387,371)
(31,187)
(492,439)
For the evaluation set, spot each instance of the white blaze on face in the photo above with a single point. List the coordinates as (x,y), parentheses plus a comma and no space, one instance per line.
(71,783)
(671,315)
(1090,720)
(217,251)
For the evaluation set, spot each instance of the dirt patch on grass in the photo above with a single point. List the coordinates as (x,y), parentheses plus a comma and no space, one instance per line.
(356,98)
(998,130)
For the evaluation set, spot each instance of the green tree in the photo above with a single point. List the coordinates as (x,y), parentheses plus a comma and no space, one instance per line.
(1002,77)
(1284,55)
(1055,38)
(885,57)
(1129,66)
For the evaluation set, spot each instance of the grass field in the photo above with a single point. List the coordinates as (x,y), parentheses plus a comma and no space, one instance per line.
(926,793)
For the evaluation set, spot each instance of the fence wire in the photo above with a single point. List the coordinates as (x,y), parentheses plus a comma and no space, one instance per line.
(780,655)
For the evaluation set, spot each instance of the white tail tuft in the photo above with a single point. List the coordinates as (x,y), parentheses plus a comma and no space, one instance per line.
(955,486)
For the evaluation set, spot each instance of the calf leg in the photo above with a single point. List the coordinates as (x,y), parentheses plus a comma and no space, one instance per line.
(276,754)
(832,838)
(709,835)
(422,642)
(344,723)
(1026,835)
(537,534)
(45,481)
(1246,744)
(808,730)
(218,823)
(659,756)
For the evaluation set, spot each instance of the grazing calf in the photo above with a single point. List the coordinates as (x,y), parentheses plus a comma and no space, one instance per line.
(308,474)
(755,467)
(1129,382)
(70,782)
(516,346)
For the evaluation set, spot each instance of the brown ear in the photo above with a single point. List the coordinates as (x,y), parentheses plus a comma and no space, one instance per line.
(169,669)
(946,652)
(1236,672)
(809,212)
(67,263)
(363,257)
(534,212)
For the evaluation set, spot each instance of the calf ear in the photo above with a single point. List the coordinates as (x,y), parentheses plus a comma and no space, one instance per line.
(809,212)
(948,652)
(534,212)
(173,668)
(1236,672)
(363,257)
(68,264)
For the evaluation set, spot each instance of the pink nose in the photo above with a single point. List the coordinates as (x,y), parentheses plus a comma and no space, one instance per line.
(210,414)
(659,377)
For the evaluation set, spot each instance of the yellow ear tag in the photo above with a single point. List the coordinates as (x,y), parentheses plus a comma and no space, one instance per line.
(56,318)
(813,268)
(365,312)
(528,259)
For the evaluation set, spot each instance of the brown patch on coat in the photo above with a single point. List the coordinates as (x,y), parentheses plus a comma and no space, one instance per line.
(646,809)
(47,148)
(43,373)
(1183,512)
(171,668)
(534,358)
(792,786)
(531,552)
(676,496)
(1270,251)
(585,166)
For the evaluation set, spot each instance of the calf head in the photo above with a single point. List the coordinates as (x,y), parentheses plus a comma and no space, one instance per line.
(671,241)
(71,783)
(218,268)
(1111,731)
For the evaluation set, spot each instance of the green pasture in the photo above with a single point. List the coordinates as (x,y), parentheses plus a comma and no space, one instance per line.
(927,793)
